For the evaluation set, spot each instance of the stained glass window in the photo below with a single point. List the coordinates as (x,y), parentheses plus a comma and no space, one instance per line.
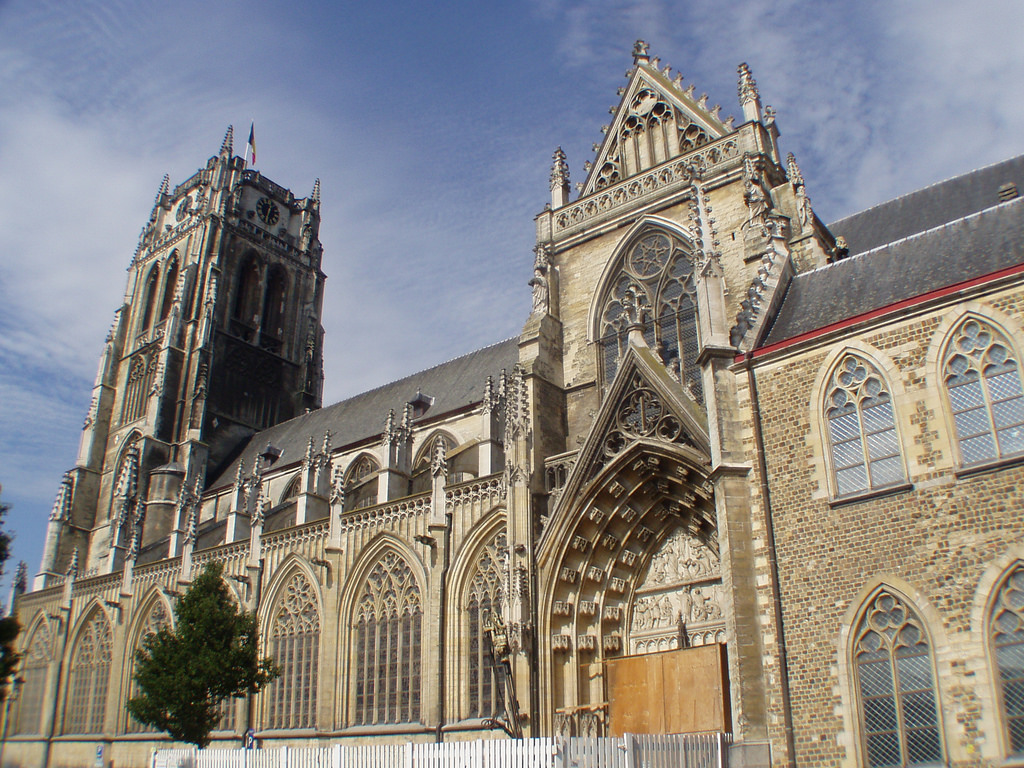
(861,428)
(87,680)
(896,686)
(1007,633)
(295,645)
(983,384)
(486,594)
(36,664)
(157,618)
(655,291)
(388,626)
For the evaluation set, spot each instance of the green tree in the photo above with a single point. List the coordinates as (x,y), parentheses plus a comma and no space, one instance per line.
(185,673)
(9,626)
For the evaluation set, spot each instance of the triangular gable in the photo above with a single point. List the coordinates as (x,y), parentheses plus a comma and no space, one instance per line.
(669,119)
(643,402)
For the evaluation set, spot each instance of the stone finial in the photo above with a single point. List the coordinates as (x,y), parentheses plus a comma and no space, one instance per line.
(227,146)
(559,179)
(165,188)
(439,460)
(20,583)
(750,99)
(325,449)
(315,196)
(62,504)
(72,570)
(488,397)
(795,177)
(641,52)
(308,459)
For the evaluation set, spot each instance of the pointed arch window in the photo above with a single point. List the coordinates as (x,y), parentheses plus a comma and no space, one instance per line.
(156,619)
(149,303)
(1006,633)
(170,286)
(87,679)
(422,479)
(34,669)
(654,292)
(245,312)
(139,383)
(485,597)
(982,381)
(864,446)
(295,645)
(361,483)
(272,322)
(388,626)
(895,683)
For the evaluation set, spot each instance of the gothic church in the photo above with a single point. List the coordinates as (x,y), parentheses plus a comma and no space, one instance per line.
(741,472)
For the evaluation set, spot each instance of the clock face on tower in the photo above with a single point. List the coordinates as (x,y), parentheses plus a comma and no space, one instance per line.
(267,211)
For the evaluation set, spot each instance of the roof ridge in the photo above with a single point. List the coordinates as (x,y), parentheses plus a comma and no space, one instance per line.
(915,235)
(925,188)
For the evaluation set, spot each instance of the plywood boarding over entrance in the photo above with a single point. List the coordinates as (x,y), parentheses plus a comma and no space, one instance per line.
(684,691)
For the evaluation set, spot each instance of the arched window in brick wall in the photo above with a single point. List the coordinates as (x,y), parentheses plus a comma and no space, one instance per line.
(982,382)
(1006,633)
(484,598)
(156,618)
(295,645)
(895,686)
(38,655)
(388,627)
(88,676)
(654,291)
(863,445)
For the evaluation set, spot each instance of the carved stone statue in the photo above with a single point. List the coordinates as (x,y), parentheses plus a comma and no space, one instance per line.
(541,298)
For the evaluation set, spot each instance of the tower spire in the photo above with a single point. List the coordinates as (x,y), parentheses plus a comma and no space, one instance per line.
(316,192)
(750,99)
(227,146)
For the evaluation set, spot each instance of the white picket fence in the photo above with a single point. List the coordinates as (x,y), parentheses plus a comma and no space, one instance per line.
(700,750)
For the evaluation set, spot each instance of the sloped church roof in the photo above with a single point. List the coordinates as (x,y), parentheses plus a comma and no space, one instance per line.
(940,236)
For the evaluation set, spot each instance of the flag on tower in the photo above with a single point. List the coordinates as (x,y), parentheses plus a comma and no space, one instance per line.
(250,150)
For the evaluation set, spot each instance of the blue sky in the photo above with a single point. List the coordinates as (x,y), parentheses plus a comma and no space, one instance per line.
(431,126)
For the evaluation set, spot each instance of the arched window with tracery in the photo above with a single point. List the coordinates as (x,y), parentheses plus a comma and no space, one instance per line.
(654,291)
(170,286)
(149,302)
(38,655)
(388,625)
(1006,633)
(982,381)
(88,676)
(295,645)
(157,618)
(138,384)
(484,598)
(272,322)
(895,684)
(422,479)
(865,449)
(361,483)
(245,311)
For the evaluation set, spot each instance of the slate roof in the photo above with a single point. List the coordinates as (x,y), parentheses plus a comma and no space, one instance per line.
(454,385)
(929,207)
(959,247)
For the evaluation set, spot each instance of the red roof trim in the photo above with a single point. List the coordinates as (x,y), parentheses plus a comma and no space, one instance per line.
(882,311)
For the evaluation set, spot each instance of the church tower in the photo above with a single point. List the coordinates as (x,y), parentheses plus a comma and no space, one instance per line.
(218,336)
